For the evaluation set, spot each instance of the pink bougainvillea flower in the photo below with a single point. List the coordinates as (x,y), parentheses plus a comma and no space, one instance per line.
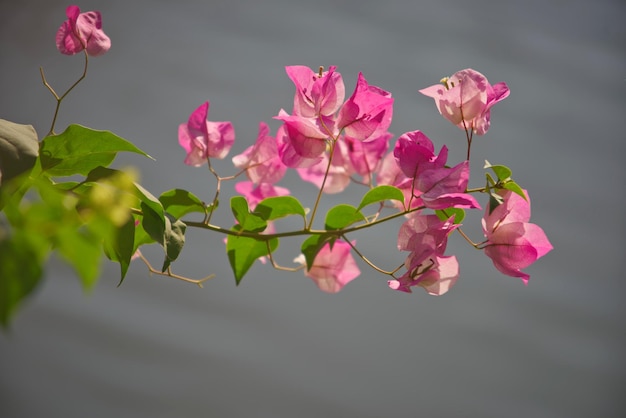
(415,153)
(333,269)
(338,176)
(391,174)
(367,113)
(512,242)
(316,94)
(437,186)
(255,193)
(465,99)
(424,236)
(261,161)
(443,188)
(82,31)
(437,277)
(202,139)
(364,157)
(495,93)
(305,136)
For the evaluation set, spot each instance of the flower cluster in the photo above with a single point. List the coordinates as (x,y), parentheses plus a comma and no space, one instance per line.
(329,141)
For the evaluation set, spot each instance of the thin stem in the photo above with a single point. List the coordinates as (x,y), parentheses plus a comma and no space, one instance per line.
(277,266)
(369,263)
(319,194)
(58,98)
(265,237)
(169,273)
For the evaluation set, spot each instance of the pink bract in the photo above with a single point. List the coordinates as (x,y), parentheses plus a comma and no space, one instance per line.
(465,99)
(367,113)
(261,161)
(202,139)
(82,31)
(316,95)
(333,269)
(438,279)
(513,243)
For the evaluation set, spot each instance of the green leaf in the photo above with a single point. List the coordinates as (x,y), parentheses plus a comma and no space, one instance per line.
(278,207)
(21,259)
(459,214)
(501,171)
(380,194)
(153,223)
(342,216)
(19,148)
(79,150)
(174,240)
(243,251)
(515,188)
(312,245)
(121,246)
(83,251)
(148,199)
(249,222)
(178,203)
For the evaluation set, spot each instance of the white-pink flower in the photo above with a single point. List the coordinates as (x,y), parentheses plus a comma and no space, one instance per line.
(465,99)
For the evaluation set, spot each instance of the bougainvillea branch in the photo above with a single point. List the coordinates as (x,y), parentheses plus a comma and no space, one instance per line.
(81,208)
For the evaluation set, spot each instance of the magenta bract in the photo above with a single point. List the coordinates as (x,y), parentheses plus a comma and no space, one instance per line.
(82,31)
(202,139)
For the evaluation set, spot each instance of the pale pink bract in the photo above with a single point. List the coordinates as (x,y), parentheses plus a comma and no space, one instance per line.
(465,99)
(333,269)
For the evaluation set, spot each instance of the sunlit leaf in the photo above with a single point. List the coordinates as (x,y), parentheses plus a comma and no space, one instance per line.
(78,150)
(244,251)
(342,216)
(249,222)
(515,188)
(278,207)
(178,203)
(501,171)
(380,194)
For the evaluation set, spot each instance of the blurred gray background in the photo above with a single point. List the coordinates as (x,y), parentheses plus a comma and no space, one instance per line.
(276,346)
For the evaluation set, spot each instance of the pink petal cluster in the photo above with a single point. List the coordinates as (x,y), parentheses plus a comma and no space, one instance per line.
(261,161)
(82,31)
(351,157)
(202,139)
(426,237)
(254,193)
(466,98)
(333,268)
(320,117)
(263,167)
(512,242)
(424,177)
